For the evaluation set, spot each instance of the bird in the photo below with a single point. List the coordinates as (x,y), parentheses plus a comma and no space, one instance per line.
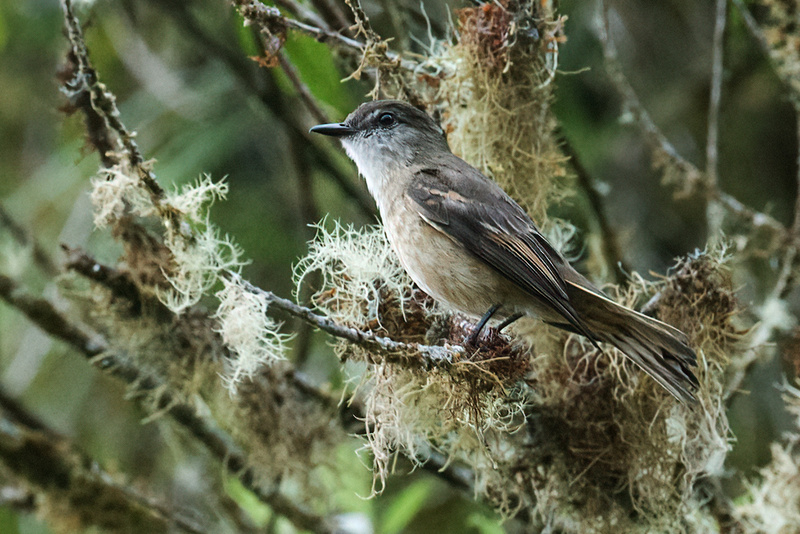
(469,245)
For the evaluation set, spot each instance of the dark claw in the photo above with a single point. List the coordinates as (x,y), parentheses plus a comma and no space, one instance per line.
(508,320)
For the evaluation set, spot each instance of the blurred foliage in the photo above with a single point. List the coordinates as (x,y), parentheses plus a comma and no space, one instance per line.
(195,114)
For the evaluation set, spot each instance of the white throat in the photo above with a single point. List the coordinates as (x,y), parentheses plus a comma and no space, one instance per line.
(381,168)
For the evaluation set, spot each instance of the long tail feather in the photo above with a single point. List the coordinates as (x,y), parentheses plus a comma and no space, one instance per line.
(661,350)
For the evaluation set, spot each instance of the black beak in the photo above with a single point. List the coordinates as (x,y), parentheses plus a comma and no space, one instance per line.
(333,129)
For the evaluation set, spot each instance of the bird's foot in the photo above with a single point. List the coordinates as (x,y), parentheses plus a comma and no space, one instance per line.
(472,339)
(508,320)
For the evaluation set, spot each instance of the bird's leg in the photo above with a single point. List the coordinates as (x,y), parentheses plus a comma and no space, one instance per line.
(473,337)
(508,320)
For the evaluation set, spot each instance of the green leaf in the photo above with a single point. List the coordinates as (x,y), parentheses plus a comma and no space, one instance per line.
(484,524)
(9,522)
(3,34)
(406,505)
(245,36)
(315,64)
(257,510)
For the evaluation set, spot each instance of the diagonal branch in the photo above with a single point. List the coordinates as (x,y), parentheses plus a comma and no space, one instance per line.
(771,40)
(302,89)
(107,133)
(274,102)
(55,469)
(406,354)
(662,149)
(611,250)
(100,354)
(24,238)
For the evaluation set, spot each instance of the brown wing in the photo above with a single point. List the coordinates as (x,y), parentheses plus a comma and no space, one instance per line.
(477,214)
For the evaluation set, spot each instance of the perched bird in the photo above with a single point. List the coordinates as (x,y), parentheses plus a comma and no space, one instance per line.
(465,242)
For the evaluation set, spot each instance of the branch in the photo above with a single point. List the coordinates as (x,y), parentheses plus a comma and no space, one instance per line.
(612,252)
(785,75)
(713,213)
(42,313)
(272,100)
(653,136)
(54,468)
(301,88)
(712,144)
(263,16)
(406,354)
(351,415)
(24,238)
(753,27)
(692,177)
(335,16)
(786,282)
(269,18)
(303,13)
(107,133)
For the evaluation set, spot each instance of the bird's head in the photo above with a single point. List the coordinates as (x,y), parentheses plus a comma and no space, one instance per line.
(385,133)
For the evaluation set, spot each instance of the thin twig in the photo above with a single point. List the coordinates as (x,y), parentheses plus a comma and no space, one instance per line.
(753,27)
(24,238)
(374,52)
(612,252)
(653,135)
(713,212)
(335,16)
(268,17)
(660,145)
(302,89)
(407,354)
(266,91)
(304,14)
(758,220)
(712,136)
(51,464)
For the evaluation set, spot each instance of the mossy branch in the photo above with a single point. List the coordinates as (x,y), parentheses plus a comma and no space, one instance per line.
(270,19)
(42,313)
(69,482)
(410,355)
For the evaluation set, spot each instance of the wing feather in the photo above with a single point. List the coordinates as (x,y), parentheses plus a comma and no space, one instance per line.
(493,228)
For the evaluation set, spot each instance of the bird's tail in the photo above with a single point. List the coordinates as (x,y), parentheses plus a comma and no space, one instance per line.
(661,350)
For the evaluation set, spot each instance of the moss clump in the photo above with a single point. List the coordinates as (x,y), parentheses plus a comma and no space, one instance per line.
(496,100)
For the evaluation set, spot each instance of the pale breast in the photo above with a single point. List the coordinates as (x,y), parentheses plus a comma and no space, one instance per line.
(441,267)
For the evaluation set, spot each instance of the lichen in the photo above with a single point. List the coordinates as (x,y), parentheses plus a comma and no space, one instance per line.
(496,101)
(772,502)
(248,331)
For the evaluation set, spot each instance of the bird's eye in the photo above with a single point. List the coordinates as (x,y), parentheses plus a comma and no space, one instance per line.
(387,119)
